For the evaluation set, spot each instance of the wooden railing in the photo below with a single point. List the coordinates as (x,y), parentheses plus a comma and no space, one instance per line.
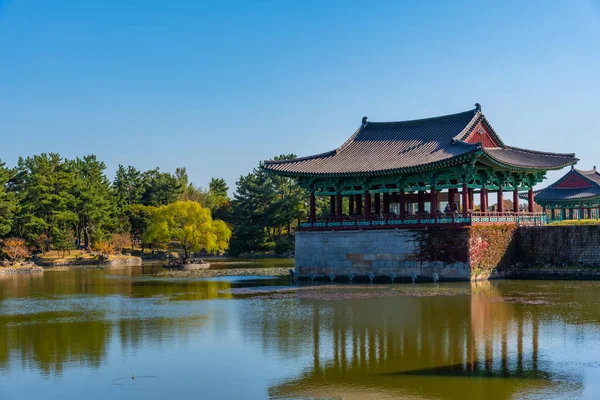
(392,221)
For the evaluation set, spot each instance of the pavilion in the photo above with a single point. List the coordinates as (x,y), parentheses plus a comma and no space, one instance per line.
(420,173)
(574,196)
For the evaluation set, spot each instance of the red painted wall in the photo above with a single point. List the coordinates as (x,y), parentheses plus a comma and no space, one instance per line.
(574,181)
(481,135)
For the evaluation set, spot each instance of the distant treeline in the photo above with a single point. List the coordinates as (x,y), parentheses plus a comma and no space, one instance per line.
(46,198)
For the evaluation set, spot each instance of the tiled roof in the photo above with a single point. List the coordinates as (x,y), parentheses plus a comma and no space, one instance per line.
(592,175)
(553,193)
(410,146)
(523,158)
(550,194)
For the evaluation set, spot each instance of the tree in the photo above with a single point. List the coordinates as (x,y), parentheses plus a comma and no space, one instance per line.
(93,205)
(120,241)
(128,186)
(161,188)
(8,202)
(63,241)
(265,208)
(42,242)
(218,188)
(189,224)
(43,185)
(15,249)
(105,248)
(139,217)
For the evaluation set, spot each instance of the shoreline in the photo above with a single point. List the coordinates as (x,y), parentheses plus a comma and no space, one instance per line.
(209,273)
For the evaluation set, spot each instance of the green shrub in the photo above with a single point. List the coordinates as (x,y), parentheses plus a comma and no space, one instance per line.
(283,246)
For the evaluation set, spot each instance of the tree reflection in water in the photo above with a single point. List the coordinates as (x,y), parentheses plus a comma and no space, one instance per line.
(47,323)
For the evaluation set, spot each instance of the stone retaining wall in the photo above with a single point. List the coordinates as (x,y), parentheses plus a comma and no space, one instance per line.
(454,253)
(381,252)
(553,273)
(559,245)
(116,262)
(21,270)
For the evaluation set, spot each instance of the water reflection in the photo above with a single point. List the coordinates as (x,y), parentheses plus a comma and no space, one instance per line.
(51,322)
(453,341)
(474,346)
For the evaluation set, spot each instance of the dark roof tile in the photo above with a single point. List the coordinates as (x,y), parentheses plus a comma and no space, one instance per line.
(389,147)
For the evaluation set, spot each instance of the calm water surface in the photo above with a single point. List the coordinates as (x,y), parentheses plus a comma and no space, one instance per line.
(86,333)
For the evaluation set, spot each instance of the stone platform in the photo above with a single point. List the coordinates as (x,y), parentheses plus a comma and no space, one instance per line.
(383,253)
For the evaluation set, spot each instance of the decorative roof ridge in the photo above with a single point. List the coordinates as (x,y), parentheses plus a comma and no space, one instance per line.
(321,155)
(469,128)
(548,153)
(464,134)
(588,171)
(350,139)
(421,120)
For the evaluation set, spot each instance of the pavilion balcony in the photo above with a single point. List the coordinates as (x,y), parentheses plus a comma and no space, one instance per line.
(392,221)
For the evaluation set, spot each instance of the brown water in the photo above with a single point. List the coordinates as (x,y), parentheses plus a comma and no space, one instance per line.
(87,333)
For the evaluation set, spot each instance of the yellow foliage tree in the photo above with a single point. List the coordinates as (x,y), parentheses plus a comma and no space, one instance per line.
(189,224)
(15,249)
(105,248)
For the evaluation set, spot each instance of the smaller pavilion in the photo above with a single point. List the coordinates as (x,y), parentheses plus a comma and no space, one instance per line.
(574,196)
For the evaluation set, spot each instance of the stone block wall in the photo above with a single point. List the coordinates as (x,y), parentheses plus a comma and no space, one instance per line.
(574,245)
(382,252)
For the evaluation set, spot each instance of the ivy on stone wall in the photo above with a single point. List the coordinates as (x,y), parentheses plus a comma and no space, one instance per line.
(491,247)
(449,245)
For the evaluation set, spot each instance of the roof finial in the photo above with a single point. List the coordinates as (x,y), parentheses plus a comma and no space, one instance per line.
(364,121)
(594,167)
(478,107)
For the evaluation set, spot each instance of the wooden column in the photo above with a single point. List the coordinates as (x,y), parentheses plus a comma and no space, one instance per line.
(359,207)
(516,200)
(451,199)
(351,204)
(313,206)
(421,200)
(471,201)
(402,201)
(500,200)
(571,213)
(484,199)
(386,203)
(338,205)
(377,204)
(332,205)
(433,201)
(465,197)
(530,200)
(367,204)
(552,213)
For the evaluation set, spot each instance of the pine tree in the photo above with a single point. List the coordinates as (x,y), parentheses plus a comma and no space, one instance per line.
(8,202)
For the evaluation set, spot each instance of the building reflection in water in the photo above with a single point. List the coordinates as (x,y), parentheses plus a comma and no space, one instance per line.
(459,346)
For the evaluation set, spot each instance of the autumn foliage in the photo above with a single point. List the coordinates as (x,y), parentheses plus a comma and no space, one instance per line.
(120,241)
(15,249)
(105,248)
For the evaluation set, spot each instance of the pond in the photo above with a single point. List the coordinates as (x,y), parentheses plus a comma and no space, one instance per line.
(129,334)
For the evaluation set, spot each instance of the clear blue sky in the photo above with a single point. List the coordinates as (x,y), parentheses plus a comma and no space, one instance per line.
(217,86)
